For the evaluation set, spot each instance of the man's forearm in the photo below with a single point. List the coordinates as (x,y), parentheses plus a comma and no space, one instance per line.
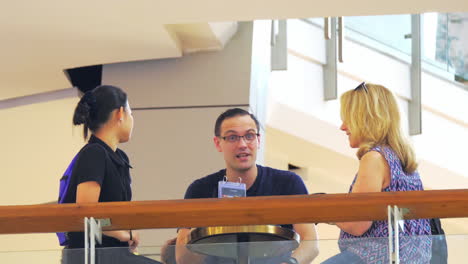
(308,248)
(306,252)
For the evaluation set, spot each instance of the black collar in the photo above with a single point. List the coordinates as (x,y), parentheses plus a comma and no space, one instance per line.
(114,155)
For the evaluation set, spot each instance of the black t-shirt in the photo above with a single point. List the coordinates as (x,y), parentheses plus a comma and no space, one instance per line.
(269,181)
(97,162)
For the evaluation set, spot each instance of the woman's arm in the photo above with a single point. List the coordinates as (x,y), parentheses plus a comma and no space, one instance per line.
(373,176)
(88,192)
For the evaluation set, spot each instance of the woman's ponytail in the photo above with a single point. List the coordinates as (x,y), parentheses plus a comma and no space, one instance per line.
(83,112)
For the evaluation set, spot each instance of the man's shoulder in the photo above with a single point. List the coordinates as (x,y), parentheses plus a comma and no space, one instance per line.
(204,187)
(283,182)
(211,178)
(281,176)
(276,173)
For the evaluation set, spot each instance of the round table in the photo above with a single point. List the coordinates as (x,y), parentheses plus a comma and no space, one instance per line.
(243,243)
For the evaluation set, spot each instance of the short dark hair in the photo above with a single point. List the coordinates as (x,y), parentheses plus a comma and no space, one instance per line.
(232,113)
(95,106)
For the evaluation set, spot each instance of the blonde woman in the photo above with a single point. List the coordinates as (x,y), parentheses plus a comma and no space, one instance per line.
(371,120)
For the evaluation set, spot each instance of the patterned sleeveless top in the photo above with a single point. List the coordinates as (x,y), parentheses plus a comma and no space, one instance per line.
(415,241)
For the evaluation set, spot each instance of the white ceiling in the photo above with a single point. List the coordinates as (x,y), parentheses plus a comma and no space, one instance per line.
(41,38)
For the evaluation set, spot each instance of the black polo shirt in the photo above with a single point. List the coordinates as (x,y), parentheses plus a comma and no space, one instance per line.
(269,181)
(97,162)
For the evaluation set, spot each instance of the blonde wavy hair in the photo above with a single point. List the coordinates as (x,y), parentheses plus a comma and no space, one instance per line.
(372,116)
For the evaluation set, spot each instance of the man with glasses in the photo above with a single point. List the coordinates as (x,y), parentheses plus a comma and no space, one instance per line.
(237,137)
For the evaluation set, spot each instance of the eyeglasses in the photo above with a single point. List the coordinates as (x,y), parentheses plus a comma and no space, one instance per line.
(248,138)
(362,86)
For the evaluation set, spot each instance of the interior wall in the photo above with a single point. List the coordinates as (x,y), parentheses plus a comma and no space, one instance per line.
(299,93)
(175,104)
(303,129)
(321,169)
(39,142)
(201,79)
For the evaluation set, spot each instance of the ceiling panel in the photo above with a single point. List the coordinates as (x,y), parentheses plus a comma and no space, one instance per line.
(41,38)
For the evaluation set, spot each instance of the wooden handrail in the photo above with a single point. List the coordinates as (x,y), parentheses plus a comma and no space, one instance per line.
(235,211)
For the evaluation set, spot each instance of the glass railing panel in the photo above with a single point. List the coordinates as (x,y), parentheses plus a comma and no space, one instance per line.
(150,255)
(445,42)
(143,255)
(243,252)
(32,256)
(434,40)
(413,249)
(444,38)
(71,256)
(319,21)
(393,31)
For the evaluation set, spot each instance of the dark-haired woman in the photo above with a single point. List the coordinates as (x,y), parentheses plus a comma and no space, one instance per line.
(102,171)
